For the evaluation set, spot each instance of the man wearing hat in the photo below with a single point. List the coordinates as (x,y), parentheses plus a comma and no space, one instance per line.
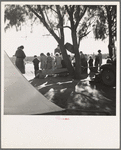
(100,58)
(57,50)
(20,56)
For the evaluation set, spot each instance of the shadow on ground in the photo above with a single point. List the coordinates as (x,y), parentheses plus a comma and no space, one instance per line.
(78,97)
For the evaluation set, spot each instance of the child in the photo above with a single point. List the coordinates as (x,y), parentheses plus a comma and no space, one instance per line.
(36,64)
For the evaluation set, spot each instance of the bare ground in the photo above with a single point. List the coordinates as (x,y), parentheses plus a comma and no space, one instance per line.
(77,97)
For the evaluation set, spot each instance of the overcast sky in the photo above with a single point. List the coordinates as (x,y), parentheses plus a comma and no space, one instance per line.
(37,42)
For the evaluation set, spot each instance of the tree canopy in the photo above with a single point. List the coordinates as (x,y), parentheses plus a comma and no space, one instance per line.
(80,19)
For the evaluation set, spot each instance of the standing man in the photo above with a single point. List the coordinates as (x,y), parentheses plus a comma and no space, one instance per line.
(96,62)
(100,58)
(90,62)
(57,50)
(36,64)
(20,56)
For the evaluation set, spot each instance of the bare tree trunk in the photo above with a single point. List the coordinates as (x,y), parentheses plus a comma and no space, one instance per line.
(66,59)
(110,39)
(111,42)
(77,56)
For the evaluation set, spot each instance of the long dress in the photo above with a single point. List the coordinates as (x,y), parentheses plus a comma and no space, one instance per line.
(58,62)
(43,60)
(20,55)
(49,62)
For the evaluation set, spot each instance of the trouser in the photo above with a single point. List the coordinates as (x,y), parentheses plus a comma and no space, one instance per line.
(35,70)
(99,65)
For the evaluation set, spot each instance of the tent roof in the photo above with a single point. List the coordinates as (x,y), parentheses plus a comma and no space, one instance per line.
(20,97)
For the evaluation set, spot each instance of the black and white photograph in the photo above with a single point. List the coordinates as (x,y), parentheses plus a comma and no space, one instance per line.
(60,70)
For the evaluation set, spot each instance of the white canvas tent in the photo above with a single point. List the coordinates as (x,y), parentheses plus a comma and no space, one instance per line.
(20,97)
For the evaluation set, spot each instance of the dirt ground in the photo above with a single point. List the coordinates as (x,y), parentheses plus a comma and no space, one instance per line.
(77,97)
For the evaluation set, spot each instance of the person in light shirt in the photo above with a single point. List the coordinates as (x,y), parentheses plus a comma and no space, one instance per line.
(49,61)
(58,61)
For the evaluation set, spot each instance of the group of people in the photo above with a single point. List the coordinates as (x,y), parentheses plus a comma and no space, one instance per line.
(97,62)
(49,61)
(89,62)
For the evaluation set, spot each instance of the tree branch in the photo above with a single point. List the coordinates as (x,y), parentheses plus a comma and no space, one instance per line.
(45,23)
(35,13)
(60,22)
(64,27)
(80,17)
(48,18)
(67,10)
(41,12)
(72,9)
(80,37)
(53,10)
(70,13)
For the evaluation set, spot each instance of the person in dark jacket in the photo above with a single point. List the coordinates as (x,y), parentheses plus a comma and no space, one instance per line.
(90,62)
(36,64)
(100,58)
(20,56)
(83,62)
(96,62)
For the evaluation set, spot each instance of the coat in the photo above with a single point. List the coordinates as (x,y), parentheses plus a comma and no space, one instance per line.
(49,62)
(20,56)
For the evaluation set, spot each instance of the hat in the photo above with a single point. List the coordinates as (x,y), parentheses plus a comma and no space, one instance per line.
(21,47)
(99,50)
(57,54)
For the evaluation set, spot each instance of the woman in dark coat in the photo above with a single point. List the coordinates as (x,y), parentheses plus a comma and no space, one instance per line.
(20,56)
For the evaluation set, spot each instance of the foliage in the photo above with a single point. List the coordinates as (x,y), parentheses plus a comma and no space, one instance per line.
(106,16)
(80,19)
(15,15)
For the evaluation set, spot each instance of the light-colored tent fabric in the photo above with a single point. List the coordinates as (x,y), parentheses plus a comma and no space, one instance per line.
(20,97)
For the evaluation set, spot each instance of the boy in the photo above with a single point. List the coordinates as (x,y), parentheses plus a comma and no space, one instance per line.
(36,64)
